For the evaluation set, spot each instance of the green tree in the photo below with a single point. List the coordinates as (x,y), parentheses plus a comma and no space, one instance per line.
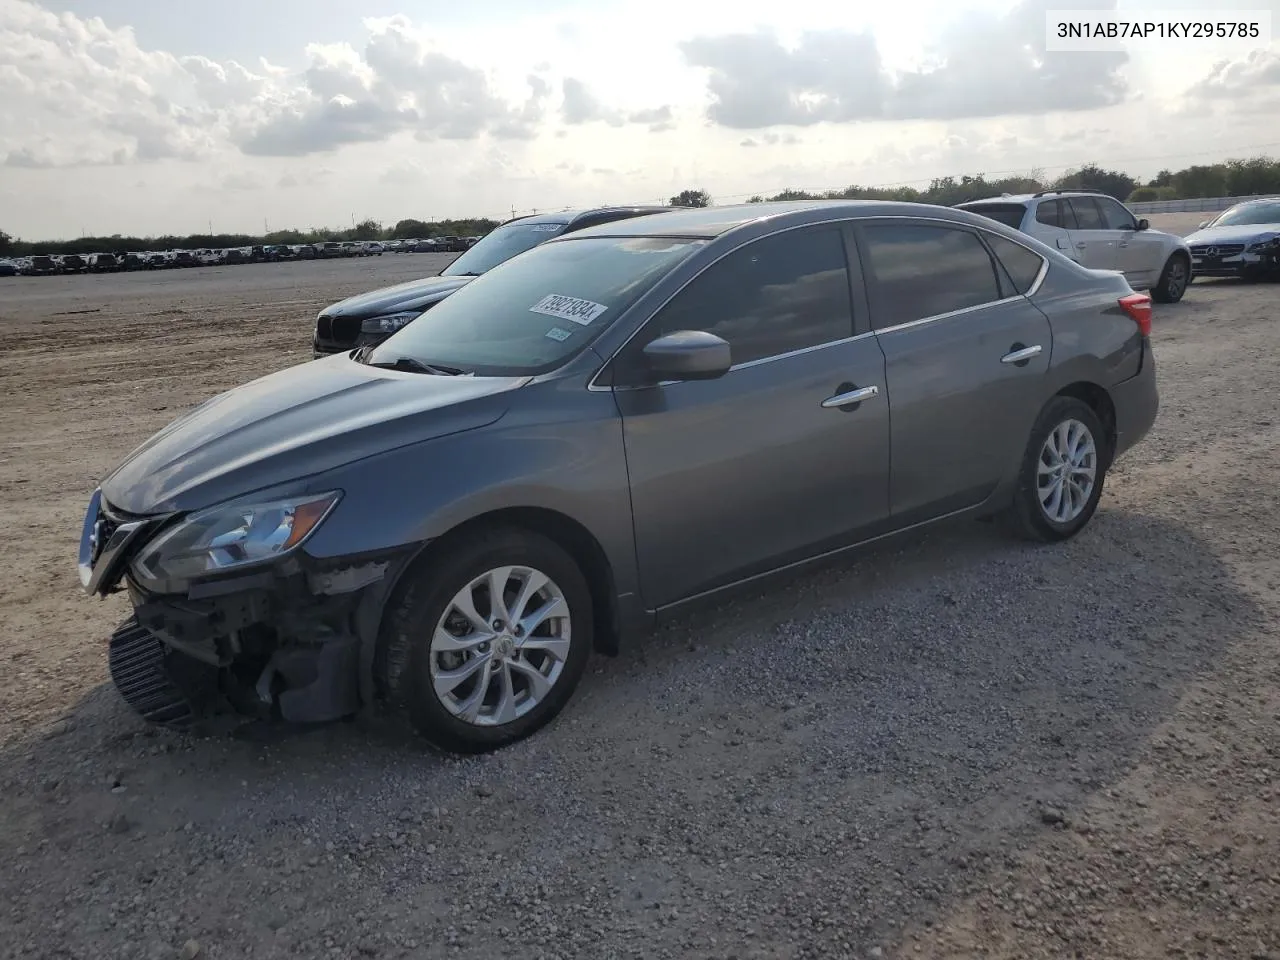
(6,244)
(1114,183)
(1201,181)
(367,230)
(691,198)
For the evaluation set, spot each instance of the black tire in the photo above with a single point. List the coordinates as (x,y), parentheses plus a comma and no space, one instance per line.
(405,658)
(1028,517)
(1174,280)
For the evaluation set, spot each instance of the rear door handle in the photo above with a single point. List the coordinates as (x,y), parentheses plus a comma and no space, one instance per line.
(850,397)
(1022,355)
(1081,244)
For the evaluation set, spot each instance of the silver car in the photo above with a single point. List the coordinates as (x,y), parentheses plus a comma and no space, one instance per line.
(1098,231)
(1243,241)
(602,431)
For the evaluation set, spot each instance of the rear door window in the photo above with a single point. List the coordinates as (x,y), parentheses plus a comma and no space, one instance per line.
(1087,214)
(919,271)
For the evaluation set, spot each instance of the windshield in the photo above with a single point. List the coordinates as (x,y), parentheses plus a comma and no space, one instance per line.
(1249,213)
(501,245)
(541,309)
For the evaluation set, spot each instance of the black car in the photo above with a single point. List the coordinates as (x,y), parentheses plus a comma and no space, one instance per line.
(104,262)
(42,264)
(134,261)
(8,269)
(74,263)
(369,318)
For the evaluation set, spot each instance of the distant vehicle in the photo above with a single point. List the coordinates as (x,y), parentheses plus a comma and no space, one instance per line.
(372,248)
(103,263)
(132,261)
(74,263)
(43,265)
(184,258)
(372,317)
(1242,241)
(1100,232)
(8,268)
(306,251)
(351,249)
(606,428)
(332,249)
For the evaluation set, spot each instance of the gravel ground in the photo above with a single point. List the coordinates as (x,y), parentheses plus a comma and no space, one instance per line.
(953,745)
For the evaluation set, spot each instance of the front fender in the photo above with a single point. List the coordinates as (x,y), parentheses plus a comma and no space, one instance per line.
(569,461)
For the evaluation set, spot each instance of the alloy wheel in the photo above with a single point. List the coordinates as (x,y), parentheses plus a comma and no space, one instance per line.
(1067,471)
(500,646)
(1177,281)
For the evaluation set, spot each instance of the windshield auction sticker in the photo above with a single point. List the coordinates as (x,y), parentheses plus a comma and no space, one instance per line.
(555,333)
(579,311)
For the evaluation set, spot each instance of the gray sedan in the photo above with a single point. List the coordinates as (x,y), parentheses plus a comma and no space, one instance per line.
(602,431)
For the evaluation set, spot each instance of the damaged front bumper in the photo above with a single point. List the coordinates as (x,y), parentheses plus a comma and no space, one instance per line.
(291,640)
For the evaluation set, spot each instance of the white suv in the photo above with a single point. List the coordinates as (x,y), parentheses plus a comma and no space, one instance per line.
(1100,232)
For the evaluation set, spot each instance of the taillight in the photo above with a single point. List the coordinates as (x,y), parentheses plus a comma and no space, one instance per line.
(1138,307)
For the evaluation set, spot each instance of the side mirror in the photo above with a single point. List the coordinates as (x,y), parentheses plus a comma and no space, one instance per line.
(687,355)
(1144,224)
(1203,224)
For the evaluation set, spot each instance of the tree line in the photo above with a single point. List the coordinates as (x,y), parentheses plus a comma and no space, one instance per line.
(365,230)
(1231,178)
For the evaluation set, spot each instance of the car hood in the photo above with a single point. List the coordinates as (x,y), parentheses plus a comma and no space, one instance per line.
(289,425)
(403,296)
(1243,233)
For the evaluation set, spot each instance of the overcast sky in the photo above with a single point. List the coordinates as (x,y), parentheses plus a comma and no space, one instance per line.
(146,117)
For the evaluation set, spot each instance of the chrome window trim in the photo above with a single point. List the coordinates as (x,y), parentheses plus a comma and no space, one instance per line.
(948,315)
(839,222)
(747,363)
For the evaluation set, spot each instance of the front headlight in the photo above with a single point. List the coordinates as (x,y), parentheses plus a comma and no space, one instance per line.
(389,323)
(230,536)
(1265,244)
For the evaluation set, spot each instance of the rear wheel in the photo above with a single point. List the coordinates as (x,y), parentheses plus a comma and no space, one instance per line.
(1173,281)
(487,646)
(1063,470)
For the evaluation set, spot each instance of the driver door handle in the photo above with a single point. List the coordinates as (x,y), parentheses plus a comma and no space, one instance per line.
(1021,356)
(1081,244)
(853,396)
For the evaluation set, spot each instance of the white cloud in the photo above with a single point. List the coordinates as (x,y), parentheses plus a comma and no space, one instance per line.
(321,121)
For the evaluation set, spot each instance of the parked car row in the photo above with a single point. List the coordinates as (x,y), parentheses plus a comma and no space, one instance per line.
(583,435)
(52,264)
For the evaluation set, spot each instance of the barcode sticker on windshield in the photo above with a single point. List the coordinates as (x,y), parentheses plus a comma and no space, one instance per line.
(555,333)
(581,312)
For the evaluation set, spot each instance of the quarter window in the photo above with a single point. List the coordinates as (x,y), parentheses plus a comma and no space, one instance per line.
(924,271)
(1088,216)
(1052,214)
(773,296)
(1021,264)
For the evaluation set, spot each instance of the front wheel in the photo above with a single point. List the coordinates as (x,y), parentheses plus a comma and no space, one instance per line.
(1062,473)
(487,645)
(1174,279)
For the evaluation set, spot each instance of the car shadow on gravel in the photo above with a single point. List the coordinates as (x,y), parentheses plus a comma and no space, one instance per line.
(804,771)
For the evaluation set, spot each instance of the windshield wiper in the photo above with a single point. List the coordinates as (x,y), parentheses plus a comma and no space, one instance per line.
(411,365)
(466,273)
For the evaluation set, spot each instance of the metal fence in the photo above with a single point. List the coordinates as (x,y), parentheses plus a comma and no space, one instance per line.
(1198,205)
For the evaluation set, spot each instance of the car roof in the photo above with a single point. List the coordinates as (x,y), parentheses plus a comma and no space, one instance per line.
(569,216)
(709,222)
